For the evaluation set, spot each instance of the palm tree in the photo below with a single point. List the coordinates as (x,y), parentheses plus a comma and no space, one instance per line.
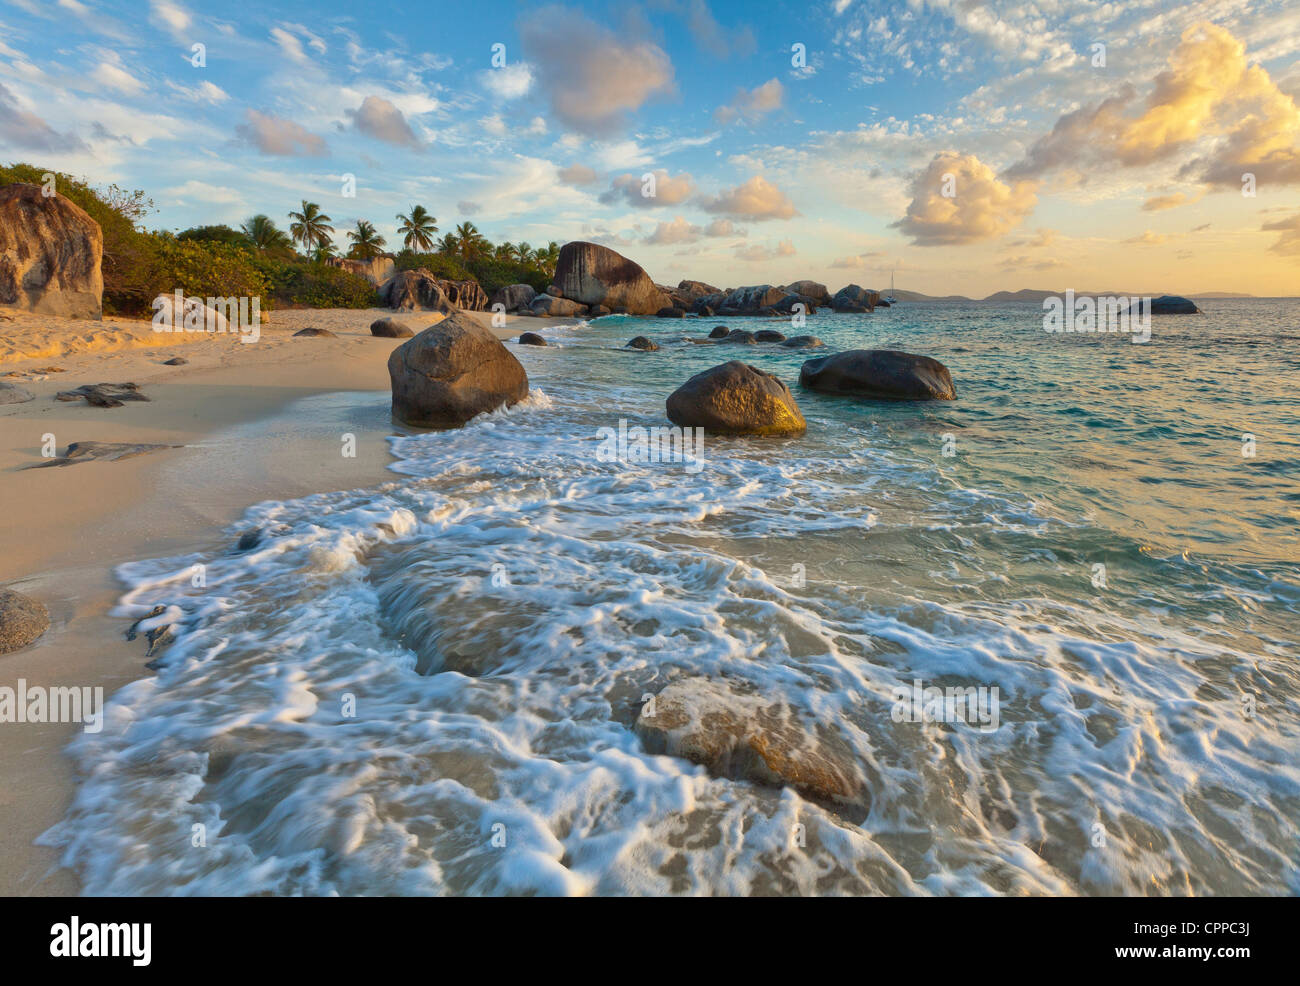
(448,244)
(264,235)
(311,227)
(470,243)
(323,250)
(547,258)
(505,251)
(526,254)
(366,241)
(418,228)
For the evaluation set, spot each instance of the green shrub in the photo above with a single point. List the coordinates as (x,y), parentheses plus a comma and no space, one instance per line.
(205,269)
(215,234)
(494,274)
(306,285)
(442,265)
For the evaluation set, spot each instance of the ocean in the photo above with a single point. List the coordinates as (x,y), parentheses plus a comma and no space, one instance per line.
(431,687)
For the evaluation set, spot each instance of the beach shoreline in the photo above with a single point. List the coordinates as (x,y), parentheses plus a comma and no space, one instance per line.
(254,422)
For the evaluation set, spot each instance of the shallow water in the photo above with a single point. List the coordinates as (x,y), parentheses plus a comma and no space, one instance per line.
(397,681)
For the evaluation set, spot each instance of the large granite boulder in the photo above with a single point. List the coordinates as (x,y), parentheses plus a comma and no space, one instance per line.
(695,289)
(853,298)
(736,399)
(748,736)
(812,290)
(451,372)
(412,290)
(595,275)
(786,306)
(879,374)
(22,620)
(50,255)
(513,297)
(550,306)
(376,270)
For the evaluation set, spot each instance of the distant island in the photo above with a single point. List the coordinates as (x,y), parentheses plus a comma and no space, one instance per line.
(1030,294)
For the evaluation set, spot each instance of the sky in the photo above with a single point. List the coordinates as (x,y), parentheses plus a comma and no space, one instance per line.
(964,147)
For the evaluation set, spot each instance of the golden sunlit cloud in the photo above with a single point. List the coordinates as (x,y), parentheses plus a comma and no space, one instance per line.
(958,199)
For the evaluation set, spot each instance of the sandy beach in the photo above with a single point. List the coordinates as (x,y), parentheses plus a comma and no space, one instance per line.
(240,413)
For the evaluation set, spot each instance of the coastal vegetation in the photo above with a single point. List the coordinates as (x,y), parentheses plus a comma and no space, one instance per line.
(287,266)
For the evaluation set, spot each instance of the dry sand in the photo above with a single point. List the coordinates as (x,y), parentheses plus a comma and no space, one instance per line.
(249,432)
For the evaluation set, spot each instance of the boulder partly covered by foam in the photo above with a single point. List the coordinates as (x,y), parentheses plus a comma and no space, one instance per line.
(736,399)
(452,372)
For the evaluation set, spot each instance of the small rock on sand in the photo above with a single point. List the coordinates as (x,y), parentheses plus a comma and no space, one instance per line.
(325,333)
(175,361)
(22,620)
(103,394)
(11,393)
(390,328)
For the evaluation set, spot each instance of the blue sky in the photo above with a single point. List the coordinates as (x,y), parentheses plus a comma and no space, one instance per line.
(1064,172)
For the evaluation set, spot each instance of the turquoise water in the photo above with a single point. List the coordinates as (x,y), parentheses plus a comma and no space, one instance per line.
(1096,547)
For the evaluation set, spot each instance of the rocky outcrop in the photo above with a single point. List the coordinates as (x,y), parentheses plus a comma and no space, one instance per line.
(879,374)
(412,290)
(595,275)
(853,298)
(786,306)
(695,289)
(22,620)
(550,306)
(802,342)
(50,255)
(736,399)
(815,292)
(745,735)
(670,312)
(513,297)
(390,328)
(750,300)
(376,270)
(451,372)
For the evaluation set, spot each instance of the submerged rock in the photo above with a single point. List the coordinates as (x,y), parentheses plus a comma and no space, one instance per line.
(1166,304)
(749,737)
(742,336)
(531,339)
(736,399)
(803,342)
(670,312)
(22,620)
(719,332)
(769,335)
(879,374)
(642,343)
(452,372)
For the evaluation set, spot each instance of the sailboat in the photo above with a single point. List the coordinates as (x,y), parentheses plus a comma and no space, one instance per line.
(890,297)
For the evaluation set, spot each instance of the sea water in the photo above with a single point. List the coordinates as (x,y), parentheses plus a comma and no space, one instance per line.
(430,687)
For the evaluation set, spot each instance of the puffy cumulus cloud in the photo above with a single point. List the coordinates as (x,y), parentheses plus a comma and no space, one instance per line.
(377,117)
(756,200)
(1289,242)
(578,175)
(758,254)
(21,128)
(280,137)
(1159,203)
(593,77)
(858,261)
(979,208)
(1208,95)
(752,104)
(631,189)
(509,81)
(681,231)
